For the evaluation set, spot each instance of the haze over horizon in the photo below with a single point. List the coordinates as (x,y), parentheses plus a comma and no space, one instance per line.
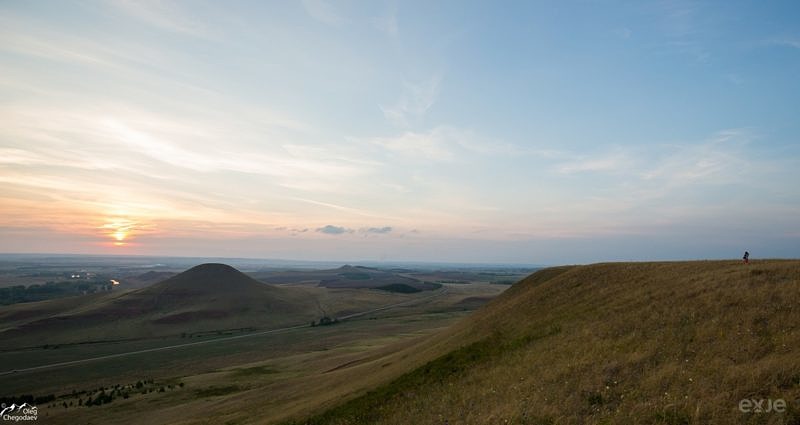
(519,132)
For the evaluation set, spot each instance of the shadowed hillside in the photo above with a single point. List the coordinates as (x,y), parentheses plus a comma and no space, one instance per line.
(145,279)
(205,297)
(217,283)
(213,291)
(627,343)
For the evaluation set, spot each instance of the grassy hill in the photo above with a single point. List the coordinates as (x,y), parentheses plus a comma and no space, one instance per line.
(627,343)
(205,297)
(213,292)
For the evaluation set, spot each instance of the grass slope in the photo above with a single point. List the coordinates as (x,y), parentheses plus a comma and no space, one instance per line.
(632,343)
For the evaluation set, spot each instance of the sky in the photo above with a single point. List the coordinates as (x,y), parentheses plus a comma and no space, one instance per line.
(490,132)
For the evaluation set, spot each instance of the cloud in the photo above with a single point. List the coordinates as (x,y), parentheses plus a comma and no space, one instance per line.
(333,230)
(414,102)
(161,14)
(340,230)
(122,137)
(378,230)
(720,159)
(25,38)
(439,144)
(323,11)
(89,159)
(612,162)
(297,231)
(446,143)
(653,186)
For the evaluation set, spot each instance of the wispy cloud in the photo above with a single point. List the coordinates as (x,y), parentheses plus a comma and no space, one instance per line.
(165,15)
(90,160)
(720,159)
(66,49)
(636,190)
(101,139)
(613,162)
(416,99)
(112,57)
(439,144)
(447,143)
(721,156)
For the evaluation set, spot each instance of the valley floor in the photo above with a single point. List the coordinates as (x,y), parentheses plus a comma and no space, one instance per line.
(253,378)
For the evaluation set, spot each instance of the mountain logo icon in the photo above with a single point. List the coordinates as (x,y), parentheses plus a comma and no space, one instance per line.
(19,412)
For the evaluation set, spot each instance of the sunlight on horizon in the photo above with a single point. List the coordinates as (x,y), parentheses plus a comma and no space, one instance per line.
(119,230)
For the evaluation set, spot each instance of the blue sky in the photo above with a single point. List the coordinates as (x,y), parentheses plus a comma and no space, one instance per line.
(525,132)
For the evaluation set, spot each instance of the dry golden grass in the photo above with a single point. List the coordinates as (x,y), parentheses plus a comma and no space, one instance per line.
(622,343)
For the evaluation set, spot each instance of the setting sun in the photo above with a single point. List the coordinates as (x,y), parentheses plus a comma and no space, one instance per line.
(119,235)
(118,229)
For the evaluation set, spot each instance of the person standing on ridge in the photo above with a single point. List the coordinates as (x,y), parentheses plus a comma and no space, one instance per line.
(746,258)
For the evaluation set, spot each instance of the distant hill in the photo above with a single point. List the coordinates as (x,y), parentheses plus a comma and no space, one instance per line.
(205,297)
(145,279)
(208,291)
(623,343)
(204,281)
(346,276)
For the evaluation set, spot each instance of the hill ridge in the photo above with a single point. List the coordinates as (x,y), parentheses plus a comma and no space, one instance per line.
(651,343)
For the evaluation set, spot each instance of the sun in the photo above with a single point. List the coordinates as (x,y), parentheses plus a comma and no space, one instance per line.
(119,230)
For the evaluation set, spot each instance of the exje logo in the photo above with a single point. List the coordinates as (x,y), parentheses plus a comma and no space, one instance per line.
(19,412)
(769,405)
